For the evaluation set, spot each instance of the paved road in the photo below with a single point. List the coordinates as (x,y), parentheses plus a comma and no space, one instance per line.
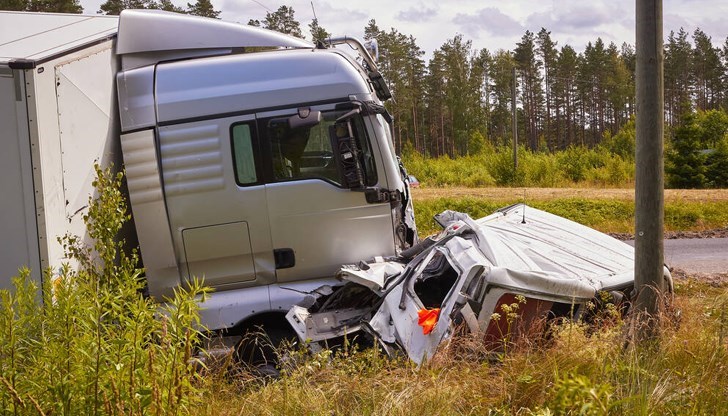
(702,255)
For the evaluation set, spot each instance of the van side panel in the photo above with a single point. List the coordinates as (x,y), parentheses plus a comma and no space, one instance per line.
(17,222)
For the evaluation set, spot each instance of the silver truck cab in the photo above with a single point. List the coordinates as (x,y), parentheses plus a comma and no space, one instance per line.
(261,172)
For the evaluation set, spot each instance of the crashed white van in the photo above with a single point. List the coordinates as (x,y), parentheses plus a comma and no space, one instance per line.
(461,277)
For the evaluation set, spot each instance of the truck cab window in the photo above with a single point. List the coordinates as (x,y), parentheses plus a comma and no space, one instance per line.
(243,155)
(307,152)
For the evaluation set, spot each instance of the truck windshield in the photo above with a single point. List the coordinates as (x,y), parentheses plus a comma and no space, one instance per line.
(308,152)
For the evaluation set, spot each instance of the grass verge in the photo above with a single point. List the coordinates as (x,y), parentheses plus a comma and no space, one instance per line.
(606,215)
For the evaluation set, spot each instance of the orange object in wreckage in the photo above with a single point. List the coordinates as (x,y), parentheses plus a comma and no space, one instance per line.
(428,319)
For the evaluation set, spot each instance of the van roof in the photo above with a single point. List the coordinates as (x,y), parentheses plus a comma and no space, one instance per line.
(38,37)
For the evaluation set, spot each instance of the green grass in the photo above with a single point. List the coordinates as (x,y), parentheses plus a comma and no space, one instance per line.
(95,345)
(602,214)
(577,372)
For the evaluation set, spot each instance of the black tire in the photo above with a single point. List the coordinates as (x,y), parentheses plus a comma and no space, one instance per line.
(259,351)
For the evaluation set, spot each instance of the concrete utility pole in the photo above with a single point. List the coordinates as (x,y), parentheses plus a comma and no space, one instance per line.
(514,121)
(649,181)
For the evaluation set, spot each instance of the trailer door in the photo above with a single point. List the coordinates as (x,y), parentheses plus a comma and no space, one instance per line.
(17,204)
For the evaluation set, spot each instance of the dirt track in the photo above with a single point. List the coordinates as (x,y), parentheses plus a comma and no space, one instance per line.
(557,193)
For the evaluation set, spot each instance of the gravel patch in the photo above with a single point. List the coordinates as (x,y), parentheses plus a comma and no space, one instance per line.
(674,235)
(713,279)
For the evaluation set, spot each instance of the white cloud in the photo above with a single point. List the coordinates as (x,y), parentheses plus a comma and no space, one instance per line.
(489,20)
(492,24)
(416,15)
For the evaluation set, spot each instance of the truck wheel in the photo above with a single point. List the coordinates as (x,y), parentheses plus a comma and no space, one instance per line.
(260,350)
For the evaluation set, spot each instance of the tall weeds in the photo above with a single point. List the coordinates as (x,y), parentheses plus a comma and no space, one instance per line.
(88,342)
(578,369)
(580,165)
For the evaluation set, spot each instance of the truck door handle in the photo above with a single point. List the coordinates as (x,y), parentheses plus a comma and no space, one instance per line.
(285,258)
(375,195)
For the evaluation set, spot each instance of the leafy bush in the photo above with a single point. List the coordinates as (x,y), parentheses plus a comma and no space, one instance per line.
(717,166)
(503,170)
(622,144)
(91,343)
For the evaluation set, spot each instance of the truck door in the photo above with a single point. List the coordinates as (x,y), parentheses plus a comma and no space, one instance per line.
(316,222)
(216,201)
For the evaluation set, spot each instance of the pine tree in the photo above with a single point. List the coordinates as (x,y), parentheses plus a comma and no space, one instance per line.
(114,7)
(318,33)
(501,66)
(168,6)
(547,52)
(435,99)
(717,166)
(685,166)
(707,71)
(14,5)
(629,58)
(282,20)
(566,95)
(203,8)
(531,91)
(618,90)
(678,74)
(371,31)
(54,6)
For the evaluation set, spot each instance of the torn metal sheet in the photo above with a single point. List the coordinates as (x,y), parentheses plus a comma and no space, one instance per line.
(548,265)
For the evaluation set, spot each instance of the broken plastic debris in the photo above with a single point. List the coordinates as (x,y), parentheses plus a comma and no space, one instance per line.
(428,319)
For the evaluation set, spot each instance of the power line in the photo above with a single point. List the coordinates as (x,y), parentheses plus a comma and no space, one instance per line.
(262,5)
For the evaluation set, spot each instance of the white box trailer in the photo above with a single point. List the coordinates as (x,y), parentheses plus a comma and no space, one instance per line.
(57,105)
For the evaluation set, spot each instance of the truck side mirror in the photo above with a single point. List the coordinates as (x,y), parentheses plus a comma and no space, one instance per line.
(305,118)
(347,155)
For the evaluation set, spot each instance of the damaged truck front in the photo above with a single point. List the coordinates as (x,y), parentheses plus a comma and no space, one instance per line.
(255,160)
(466,277)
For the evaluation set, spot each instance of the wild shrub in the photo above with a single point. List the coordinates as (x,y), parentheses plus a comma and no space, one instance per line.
(685,163)
(717,166)
(91,342)
(502,167)
(575,161)
(622,144)
(494,166)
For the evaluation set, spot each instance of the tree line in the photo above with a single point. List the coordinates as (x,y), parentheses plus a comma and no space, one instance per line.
(109,7)
(459,100)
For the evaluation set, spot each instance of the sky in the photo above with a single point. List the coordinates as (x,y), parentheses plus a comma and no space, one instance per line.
(488,24)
